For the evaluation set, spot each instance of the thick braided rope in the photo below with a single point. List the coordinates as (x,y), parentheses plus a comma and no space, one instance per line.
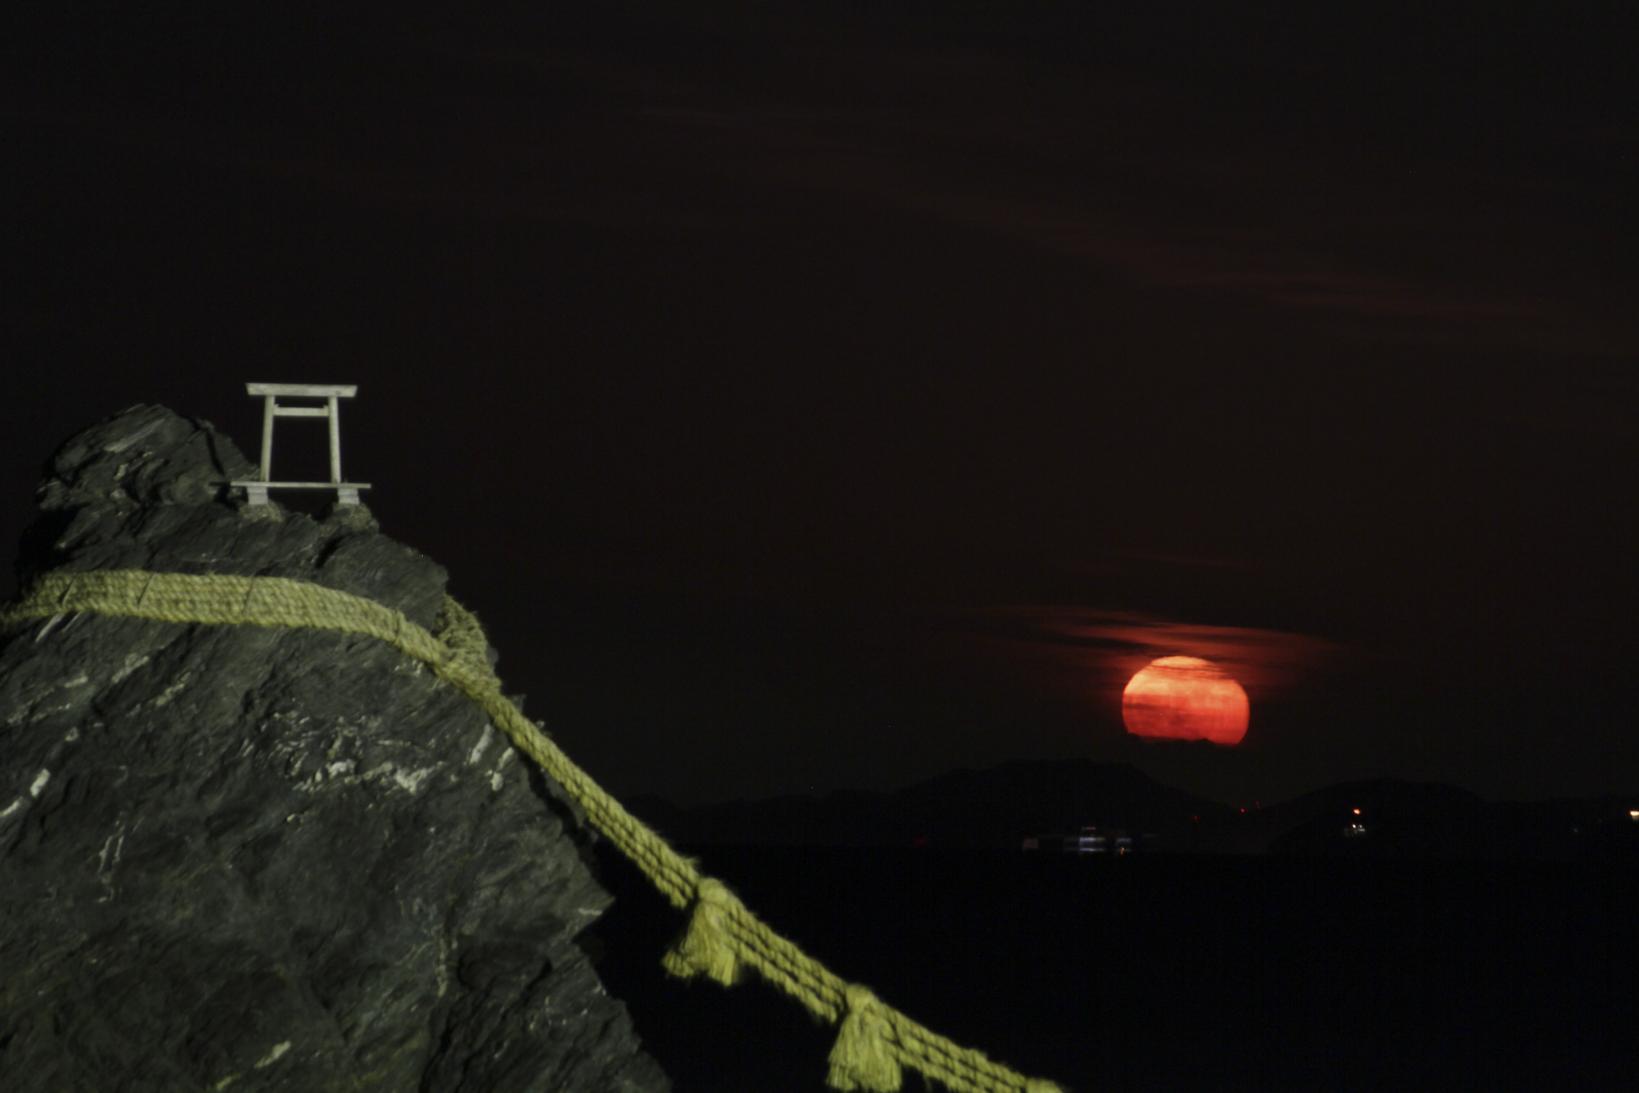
(874,1040)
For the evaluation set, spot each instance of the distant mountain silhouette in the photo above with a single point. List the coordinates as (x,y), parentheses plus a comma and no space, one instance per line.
(1055,799)
(1430,819)
(996,807)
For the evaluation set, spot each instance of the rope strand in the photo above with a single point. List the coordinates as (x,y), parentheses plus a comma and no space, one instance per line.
(875,1042)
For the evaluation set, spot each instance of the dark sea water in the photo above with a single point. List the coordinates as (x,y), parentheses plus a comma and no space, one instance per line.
(1167,972)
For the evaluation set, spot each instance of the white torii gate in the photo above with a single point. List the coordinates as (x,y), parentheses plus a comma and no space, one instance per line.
(347,493)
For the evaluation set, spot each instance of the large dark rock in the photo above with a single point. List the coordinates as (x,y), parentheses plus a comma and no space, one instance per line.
(245,858)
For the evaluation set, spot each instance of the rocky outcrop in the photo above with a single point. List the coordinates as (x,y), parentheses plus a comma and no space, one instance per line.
(244,858)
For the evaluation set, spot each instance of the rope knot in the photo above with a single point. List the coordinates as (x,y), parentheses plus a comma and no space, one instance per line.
(461,638)
(863,1057)
(706,947)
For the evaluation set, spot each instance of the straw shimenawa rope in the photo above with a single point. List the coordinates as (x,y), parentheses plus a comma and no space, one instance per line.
(875,1042)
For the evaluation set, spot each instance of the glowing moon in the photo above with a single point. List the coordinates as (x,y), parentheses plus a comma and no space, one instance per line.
(1185,698)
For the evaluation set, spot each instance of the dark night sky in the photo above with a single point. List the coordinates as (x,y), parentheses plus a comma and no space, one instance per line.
(831,395)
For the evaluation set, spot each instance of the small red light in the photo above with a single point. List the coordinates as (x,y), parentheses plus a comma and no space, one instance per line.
(1356,812)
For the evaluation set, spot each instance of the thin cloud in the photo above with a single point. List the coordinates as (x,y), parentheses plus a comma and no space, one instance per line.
(1119,173)
(1086,650)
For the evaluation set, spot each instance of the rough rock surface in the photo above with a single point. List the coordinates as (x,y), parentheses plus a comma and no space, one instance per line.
(246,858)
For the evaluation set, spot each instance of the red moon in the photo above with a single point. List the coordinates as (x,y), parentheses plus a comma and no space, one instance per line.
(1185,698)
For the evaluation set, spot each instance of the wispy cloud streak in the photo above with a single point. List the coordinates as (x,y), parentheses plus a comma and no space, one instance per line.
(1093,652)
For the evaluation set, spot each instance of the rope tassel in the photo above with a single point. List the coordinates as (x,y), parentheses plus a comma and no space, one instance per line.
(706,948)
(863,1058)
